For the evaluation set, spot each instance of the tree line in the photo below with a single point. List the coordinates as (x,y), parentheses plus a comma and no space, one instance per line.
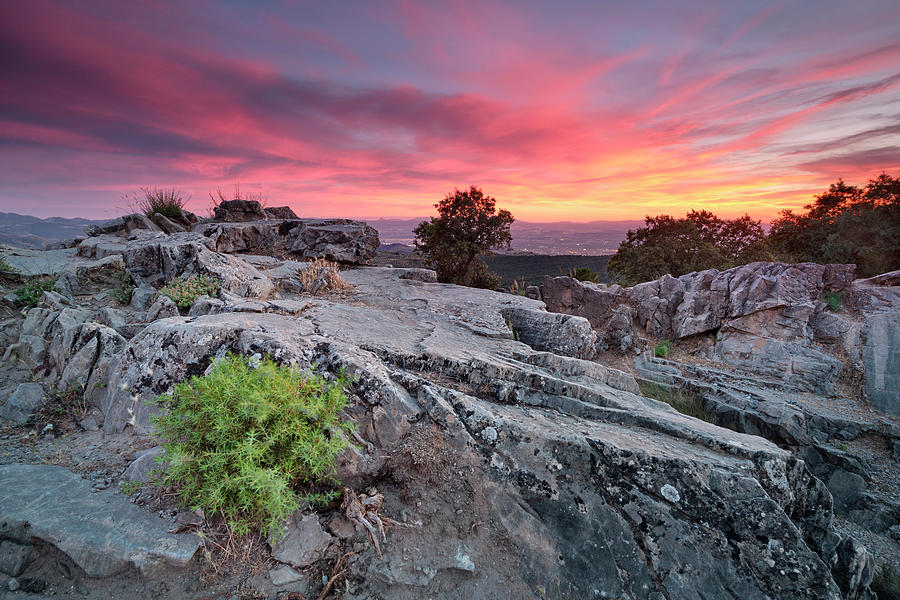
(846,224)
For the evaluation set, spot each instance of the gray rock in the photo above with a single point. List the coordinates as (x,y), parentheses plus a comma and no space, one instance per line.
(142,297)
(102,532)
(254,236)
(163,308)
(135,221)
(14,558)
(280,212)
(881,357)
(846,488)
(107,227)
(111,317)
(143,464)
(533,292)
(552,332)
(236,211)
(341,240)
(423,275)
(304,543)
(166,224)
(204,305)
(20,407)
(284,575)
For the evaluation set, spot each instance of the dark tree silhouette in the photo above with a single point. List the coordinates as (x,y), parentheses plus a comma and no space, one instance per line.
(699,241)
(468,226)
(846,224)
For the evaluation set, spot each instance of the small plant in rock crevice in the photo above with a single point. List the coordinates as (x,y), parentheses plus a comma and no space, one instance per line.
(834,300)
(252,439)
(663,348)
(322,276)
(30,294)
(123,287)
(6,267)
(681,400)
(185,290)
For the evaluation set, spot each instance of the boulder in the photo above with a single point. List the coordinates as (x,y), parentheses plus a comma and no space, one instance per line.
(163,308)
(236,211)
(239,237)
(20,407)
(280,212)
(143,465)
(101,532)
(881,357)
(341,240)
(166,224)
(304,543)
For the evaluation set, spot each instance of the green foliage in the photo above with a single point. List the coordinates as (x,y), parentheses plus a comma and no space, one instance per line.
(662,349)
(130,487)
(585,274)
(165,201)
(467,227)
(123,287)
(248,439)
(5,267)
(681,400)
(185,290)
(30,294)
(699,241)
(886,583)
(846,224)
(834,300)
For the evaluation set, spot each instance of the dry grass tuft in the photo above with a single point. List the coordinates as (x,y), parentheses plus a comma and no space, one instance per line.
(322,276)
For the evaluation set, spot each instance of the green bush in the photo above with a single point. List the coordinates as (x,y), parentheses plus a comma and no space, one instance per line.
(834,300)
(123,287)
(186,289)
(5,267)
(251,439)
(585,274)
(684,402)
(167,202)
(30,294)
(663,348)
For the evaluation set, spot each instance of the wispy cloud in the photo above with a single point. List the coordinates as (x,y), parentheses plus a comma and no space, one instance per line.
(573,114)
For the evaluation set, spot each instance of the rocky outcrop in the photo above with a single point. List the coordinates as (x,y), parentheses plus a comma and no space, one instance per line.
(238,211)
(761,315)
(280,212)
(257,236)
(341,240)
(489,443)
(101,532)
(513,459)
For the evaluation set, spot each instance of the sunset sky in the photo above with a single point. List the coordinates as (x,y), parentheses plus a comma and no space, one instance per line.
(560,110)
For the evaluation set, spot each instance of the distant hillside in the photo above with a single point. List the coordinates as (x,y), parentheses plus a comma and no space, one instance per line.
(530,268)
(563,237)
(23,231)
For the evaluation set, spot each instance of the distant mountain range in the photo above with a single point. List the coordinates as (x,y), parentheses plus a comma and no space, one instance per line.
(591,238)
(23,231)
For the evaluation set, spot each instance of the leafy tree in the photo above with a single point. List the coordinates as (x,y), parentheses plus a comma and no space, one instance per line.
(846,224)
(467,227)
(675,246)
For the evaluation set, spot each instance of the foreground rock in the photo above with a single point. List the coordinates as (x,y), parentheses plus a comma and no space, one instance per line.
(523,467)
(341,240)
(101,532)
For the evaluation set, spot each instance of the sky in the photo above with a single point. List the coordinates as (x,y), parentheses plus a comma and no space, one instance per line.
(560,110)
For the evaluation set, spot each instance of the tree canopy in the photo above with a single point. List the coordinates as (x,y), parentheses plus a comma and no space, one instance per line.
(846,224)
(468,226)
(699,241)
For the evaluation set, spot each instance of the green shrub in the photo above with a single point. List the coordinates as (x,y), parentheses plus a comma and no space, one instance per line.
(834,300)
(166,202)
(30,294)
(585,274)
(663,348)
(246,440)
(123,287)
(681,400)
(186,289)
(5,267)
